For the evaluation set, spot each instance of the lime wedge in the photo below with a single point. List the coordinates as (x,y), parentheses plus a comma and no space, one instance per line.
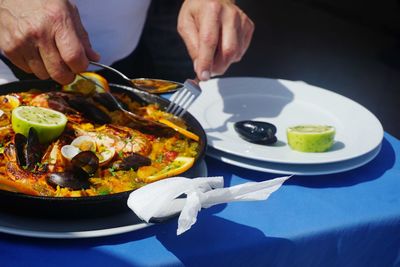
(311,138)
(48,123)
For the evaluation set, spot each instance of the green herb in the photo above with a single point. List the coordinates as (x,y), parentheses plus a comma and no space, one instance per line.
(159,158)
(112,171)
(104,191)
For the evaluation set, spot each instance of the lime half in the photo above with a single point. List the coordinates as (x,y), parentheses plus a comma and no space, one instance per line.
(48,123)
(311,138)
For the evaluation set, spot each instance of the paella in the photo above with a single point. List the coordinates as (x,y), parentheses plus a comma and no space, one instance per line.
(77,142)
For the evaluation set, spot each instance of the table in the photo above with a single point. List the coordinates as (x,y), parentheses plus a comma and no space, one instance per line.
(346,219)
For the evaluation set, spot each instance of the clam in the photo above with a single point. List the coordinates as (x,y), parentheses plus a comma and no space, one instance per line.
(87,143)
(69,151)
(256,131)
(106,156)
(84,143)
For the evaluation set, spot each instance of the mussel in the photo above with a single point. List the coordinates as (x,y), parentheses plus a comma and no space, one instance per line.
(106,100)
(57,102)
(88,110)
(133,161)
(69,179)
(29,150)
(86,161)
(258,132)
(77,175)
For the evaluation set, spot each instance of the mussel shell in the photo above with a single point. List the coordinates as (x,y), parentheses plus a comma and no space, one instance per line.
(133,161)
(88,110)
(57,102)
(86,161)
(33,150)
(106,100)
(20,144)
(29,150)
(69,179)
(256,131)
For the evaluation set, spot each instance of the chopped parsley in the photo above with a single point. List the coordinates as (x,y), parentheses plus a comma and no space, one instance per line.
(112,171)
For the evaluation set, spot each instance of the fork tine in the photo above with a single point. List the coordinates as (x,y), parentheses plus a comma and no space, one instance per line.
(177,98)
(182,99)
(171,104)
(185,106)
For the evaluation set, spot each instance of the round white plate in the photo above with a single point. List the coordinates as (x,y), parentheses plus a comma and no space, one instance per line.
(296,169)
(78,228)
(283,103)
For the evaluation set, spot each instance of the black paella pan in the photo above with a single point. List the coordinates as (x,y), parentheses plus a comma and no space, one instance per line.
(92,206)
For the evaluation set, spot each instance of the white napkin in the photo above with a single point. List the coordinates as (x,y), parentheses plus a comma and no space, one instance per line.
(160,199)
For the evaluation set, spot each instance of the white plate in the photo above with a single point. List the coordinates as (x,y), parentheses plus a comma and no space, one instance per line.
(283,103)
(297,169)
(78,228)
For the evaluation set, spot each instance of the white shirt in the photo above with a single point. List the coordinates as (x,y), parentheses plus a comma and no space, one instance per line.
(114,28)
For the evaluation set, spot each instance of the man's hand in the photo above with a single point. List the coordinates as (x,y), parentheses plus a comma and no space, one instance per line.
(216,33)
(45,37)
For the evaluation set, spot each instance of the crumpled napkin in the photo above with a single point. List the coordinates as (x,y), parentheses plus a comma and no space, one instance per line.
(164,198)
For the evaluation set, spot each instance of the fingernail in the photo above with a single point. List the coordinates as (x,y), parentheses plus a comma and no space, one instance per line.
(205,75)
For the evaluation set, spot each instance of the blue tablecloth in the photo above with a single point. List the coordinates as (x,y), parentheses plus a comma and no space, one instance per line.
(346,219)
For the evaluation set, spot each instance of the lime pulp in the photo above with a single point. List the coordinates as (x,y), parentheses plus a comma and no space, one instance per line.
(311,138)
(48,123)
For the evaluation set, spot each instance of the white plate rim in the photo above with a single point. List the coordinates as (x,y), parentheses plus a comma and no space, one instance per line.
(75,234)
(197,110)
(278,168)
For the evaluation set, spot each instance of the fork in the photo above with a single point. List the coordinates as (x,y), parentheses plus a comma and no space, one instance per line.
(128,113)
(182,99)
(179,101)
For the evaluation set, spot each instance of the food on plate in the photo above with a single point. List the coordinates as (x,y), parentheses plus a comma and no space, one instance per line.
(311,138)
(258,132)
(76,142)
